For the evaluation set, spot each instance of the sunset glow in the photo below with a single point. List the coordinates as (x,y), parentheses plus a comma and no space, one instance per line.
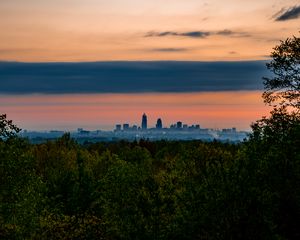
(103,111)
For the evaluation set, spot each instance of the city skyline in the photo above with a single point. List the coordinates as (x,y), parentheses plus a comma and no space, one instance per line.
(158,126)
(178,130)
(94,111)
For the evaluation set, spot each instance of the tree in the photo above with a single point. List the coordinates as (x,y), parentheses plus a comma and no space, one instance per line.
(7,128)
(284,86)
(273,147)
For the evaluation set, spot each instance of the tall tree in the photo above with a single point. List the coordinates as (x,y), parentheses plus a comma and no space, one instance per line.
(283,87)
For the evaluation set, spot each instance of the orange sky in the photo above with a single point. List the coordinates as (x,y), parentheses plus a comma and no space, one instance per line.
(103,111)
(91,30)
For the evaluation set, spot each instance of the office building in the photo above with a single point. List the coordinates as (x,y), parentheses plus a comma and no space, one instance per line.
(125,126)
(159,124)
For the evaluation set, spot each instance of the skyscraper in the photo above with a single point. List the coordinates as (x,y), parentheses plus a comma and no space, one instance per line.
(144,122)
(159,124)
(118,127)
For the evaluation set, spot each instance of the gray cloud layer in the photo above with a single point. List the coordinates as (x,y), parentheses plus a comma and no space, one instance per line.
(197,34)
(194,34)
(169,49)
(130,77)
(291,13)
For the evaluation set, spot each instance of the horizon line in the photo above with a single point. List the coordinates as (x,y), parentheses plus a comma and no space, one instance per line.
(146,61)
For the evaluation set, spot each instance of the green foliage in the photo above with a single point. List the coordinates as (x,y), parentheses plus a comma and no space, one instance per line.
(55,226)
(7,128)
(22,190)
(154,190)
(275,144)
(284,86)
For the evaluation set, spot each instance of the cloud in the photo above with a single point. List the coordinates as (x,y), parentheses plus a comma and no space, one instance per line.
(169,49)
(225,32)
(193,34)
(197,34)
(231,33)
(130,77)
(291,13)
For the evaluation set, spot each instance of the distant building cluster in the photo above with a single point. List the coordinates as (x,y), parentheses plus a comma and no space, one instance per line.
(229,130)
(159,126)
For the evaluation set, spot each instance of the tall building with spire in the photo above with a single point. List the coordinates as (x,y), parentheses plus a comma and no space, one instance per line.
(144,122)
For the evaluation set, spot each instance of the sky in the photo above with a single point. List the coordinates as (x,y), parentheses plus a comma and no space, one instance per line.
(213,53)
(102,111)
(101,30)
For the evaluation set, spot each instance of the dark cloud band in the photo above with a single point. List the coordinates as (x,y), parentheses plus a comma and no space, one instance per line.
(130,77)
(197,34)
(291,13)
(194,34)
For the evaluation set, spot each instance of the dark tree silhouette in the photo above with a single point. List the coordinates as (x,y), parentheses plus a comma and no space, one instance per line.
(7,128)
(283,87)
